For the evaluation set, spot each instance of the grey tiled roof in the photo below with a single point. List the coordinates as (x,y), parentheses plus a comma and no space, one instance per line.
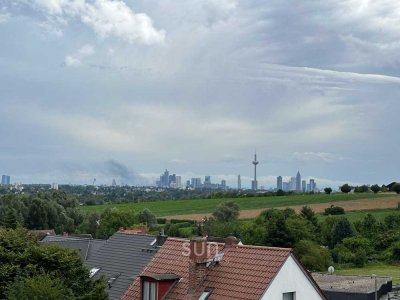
(86,246)
(123,257)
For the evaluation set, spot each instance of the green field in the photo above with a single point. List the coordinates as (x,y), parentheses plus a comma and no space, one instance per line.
(194,206)
(379,214)
(377,269)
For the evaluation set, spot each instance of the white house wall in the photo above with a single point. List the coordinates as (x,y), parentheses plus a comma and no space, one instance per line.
(291,279)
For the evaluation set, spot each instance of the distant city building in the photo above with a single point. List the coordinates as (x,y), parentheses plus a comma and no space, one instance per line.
(292,184)
(313,186)
(279,183)
(303,186)
(298,182)
(207,181)
(178,181)
(196,183)
(254,184)
(239,185)
(54,186)
(5,180)
(187,183)
(223,183)
(286,186)
(308,188)
(114,183)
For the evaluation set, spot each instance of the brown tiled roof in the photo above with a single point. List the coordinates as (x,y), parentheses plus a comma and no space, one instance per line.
(243,273)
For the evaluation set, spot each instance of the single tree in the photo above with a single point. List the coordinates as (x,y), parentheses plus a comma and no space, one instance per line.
(396,188)
(340,231)
(375,188)
(278,234)
(328,190)
(345,188)
(226,212)
(147,217)
(308,214)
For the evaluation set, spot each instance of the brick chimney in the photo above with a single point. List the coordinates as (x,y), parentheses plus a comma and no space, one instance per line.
(197,263)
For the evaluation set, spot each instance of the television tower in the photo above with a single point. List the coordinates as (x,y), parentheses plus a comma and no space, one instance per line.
(254,184)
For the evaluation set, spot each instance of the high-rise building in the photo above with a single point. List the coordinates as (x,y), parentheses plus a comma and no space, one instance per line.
(223,183)
(239,186)
(187,183)
(279,183)
(292,184)
(54,186)
(207,181)
(114,183)
(298,182)
(196,183)
(178,181)
(171,179)
(313,186)
(5,180)
(286,186)
(303,186)
(254,184)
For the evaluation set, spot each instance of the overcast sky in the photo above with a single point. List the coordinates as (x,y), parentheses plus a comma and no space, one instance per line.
(124,89)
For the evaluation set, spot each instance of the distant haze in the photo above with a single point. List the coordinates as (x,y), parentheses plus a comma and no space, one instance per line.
(124,89)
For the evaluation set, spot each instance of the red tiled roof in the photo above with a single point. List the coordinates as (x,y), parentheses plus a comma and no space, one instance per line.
(243,273)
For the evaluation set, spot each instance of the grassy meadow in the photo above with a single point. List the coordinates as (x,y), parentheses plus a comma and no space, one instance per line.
(379,269)
(196,206)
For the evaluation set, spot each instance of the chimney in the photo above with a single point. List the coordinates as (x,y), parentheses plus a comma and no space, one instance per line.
(197,263)
(160,240)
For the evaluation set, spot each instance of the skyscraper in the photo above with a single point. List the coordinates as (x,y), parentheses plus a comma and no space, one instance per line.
(292,184)
(298,182)
(5,180)
(279,183)
(223,184)
(239,183)
(313,186)
(303,186)
(254,184)
(178,182)
(207,181)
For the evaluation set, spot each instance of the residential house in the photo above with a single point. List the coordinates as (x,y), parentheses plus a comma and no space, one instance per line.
(201,270)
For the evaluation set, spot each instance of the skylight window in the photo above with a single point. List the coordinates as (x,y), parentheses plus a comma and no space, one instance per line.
(153,242)
(205,294)
(93,271)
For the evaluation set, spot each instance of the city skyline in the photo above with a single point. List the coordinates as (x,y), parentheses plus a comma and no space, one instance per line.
(195,86)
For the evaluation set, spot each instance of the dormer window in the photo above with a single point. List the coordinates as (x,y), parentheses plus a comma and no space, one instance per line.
(149,290)
(155,286)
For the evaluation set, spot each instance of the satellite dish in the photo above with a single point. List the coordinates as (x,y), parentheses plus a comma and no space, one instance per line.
(331,270)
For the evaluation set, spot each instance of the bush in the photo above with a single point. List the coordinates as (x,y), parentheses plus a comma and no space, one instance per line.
(313,256)
(280,193)
(334,210)
(328,190)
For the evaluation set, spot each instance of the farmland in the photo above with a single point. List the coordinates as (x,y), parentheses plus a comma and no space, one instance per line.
(200,207)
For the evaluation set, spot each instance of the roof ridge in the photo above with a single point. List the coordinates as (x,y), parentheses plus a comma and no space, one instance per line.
(264,247)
